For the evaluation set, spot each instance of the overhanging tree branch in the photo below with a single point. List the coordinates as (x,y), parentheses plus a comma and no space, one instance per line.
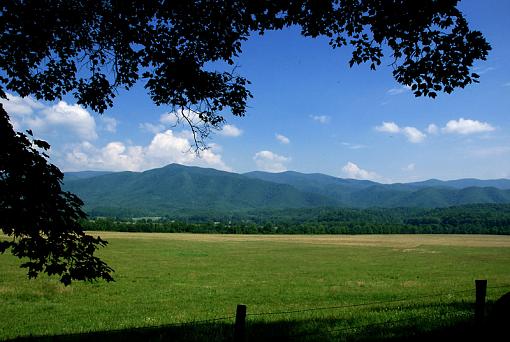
(42,220)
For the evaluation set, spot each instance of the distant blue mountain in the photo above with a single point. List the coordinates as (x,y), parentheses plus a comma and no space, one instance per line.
(68,176)
(363,193)
(502,183)
(176,187)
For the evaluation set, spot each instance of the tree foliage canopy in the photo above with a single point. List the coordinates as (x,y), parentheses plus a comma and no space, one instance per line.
(93,48)
(43,220)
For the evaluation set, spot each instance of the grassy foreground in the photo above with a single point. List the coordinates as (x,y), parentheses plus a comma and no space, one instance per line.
(163,279)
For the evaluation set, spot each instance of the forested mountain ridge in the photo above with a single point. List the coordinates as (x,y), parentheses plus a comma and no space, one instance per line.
(176,187)
(68,176)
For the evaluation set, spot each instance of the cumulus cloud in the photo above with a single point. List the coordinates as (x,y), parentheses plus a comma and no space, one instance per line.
(351,170)
(186,116)
(64,116)
(181,115)
(282,138)
(165,148)
(152,128)
(270,161)
(230,131)
(169,118)
(20,106)
(323,119)
(59,119)
(397,91)
(75,130)
(413,134)
(388,127)
(109,124)
(432,129)
(467,126)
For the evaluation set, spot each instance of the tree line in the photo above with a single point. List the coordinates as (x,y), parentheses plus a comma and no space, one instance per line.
(466,219)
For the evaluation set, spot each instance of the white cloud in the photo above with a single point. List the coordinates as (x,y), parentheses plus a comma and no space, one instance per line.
(409,168)
(180,116)
(397,91)
(388,127)
(63,116)
(352,146)
(413,134)
(467,126)
(186,116)
(432,129)
(282,138)
(152,128)
(74,128)
(271,162)
(230,131)
(61,119)
(169,118)
(109,124)
(20,106)
(323,119)
(353,171)
(165,148)
(57,120)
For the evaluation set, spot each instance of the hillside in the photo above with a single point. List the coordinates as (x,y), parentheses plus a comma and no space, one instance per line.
(362,193)
(69,176)
(176,188)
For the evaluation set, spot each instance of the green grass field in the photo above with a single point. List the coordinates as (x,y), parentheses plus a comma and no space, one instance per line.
(163,279)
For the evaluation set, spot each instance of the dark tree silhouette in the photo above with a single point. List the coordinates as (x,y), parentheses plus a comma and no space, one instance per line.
(43,219)
(93,48)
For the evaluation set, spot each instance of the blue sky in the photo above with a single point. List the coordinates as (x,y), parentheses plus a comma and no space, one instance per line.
(310,113)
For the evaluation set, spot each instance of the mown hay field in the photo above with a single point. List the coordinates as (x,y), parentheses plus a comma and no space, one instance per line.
(415,282)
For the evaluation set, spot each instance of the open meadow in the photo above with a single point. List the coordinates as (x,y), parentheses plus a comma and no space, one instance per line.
(301,287)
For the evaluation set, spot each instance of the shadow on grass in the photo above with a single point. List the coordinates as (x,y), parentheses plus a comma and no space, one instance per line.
(399,326)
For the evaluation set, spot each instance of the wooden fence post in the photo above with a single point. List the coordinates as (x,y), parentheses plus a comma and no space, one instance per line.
(240,324)
(481,292)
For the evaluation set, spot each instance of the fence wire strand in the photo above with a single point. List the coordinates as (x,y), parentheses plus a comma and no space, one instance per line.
(370,303)
(217,319)
(225,318)
(354,305)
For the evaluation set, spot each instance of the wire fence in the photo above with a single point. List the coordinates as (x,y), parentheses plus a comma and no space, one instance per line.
(407,299)
(325,330)
(356,304)
(336,307)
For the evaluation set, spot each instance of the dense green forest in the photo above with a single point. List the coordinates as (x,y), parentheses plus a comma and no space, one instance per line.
(466,219)
(175,188)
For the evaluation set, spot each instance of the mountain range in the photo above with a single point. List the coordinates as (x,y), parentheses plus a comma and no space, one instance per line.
(175,188)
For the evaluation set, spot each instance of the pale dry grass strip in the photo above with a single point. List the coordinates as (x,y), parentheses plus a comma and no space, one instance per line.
(387,240)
